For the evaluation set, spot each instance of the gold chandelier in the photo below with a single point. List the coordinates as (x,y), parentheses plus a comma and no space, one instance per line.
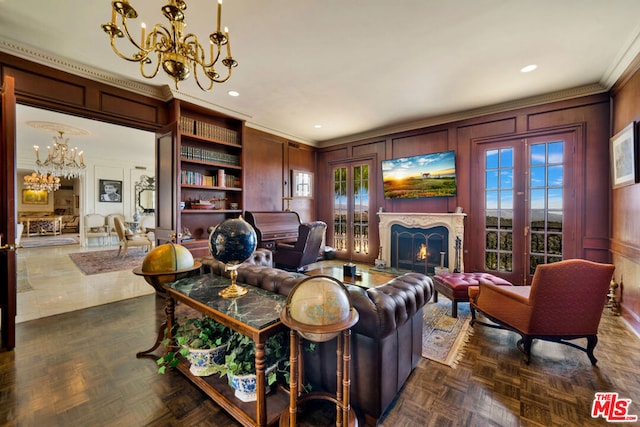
(178,53)
(40,182)
(60,161)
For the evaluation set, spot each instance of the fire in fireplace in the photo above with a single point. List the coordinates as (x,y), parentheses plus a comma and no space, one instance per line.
(419,249)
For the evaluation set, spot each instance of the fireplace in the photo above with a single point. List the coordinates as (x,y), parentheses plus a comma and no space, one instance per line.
(418,249)
(438,232)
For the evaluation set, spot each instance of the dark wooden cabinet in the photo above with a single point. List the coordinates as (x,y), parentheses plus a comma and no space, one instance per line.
(199,164)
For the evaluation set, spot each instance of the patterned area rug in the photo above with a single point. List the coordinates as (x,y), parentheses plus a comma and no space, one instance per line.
(443,337)
(40,241)
(97,262)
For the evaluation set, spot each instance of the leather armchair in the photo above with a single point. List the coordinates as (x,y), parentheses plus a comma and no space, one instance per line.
(304,251)
(564,302)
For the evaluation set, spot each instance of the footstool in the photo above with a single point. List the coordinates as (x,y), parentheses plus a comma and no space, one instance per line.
(455,286)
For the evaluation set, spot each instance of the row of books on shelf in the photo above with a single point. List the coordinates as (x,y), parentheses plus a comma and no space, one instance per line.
(209,130)
(205,155)
(221,180)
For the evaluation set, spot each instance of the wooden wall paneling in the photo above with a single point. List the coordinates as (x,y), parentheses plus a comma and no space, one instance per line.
(263,157)
(34,85)
(44,87)
(625,233)
(591,122)
(115,104)
(588,115)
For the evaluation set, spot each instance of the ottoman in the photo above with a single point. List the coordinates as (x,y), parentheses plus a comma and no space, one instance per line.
(455,286)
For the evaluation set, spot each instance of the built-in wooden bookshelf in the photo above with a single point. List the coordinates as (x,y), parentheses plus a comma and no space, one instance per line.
(208,173)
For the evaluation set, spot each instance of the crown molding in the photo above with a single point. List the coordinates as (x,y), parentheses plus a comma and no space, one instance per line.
(621,65)
(36,55)
(563,95)
(166,93)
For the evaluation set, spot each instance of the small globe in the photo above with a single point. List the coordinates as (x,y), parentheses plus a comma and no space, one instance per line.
(166,258)
(233,241)
(319,301)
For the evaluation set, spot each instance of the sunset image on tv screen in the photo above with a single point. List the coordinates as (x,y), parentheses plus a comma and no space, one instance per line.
(428,175)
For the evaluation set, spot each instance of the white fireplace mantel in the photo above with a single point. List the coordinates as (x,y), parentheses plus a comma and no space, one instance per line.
(454,222)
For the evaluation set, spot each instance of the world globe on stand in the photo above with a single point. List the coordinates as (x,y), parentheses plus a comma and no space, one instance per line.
(166,263)
(319,301)
(232,242)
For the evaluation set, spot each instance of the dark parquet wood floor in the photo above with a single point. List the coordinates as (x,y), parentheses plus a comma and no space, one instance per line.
(80,369)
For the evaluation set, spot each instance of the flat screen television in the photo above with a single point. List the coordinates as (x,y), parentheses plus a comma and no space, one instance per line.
(426,175)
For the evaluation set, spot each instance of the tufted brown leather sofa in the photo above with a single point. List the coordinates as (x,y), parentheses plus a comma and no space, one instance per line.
(386,342)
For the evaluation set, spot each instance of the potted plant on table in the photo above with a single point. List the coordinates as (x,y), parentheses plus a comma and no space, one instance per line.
(202,341)
(240,368)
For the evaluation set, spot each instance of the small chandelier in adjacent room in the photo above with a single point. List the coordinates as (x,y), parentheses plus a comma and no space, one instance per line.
(178,53)
(60,161)
(39,182)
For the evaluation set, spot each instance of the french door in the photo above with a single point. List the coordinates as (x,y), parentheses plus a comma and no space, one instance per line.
(526,198)
(350,232)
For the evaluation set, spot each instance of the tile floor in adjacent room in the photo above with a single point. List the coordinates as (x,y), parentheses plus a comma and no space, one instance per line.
(58,286)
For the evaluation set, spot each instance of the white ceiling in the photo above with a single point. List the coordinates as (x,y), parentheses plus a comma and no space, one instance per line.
(358,67)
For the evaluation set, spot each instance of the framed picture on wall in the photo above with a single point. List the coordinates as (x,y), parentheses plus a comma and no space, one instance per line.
(110,191)
(302,184)
(35,197)
(623,157)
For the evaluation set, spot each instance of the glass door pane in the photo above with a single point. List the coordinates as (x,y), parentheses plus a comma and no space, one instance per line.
(340,209)
(351,183)
(546,201)
(499,209)
(361,209)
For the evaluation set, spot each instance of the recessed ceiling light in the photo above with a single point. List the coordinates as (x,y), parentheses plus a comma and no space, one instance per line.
(317,126)
(233,93)
(528,68)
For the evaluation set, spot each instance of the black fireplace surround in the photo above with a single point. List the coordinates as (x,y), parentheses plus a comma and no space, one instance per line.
(419,249)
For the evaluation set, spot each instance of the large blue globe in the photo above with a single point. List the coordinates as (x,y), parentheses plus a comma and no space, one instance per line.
(233,241)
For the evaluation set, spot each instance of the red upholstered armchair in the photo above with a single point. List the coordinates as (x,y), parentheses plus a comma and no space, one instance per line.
(564,302)
(304,251)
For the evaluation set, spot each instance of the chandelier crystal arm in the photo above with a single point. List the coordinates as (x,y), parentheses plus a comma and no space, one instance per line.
(39,182)
(60,161)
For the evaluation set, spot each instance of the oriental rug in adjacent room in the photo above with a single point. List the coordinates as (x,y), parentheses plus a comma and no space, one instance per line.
(41,241)
(96,262)
(443,337)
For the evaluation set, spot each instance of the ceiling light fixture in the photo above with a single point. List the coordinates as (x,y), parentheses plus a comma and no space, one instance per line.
(233,93)
(528,68)
(178,53)
(60,161)
(39,182)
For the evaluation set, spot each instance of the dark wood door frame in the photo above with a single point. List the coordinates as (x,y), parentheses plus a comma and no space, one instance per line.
(574,186)
(8,298)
